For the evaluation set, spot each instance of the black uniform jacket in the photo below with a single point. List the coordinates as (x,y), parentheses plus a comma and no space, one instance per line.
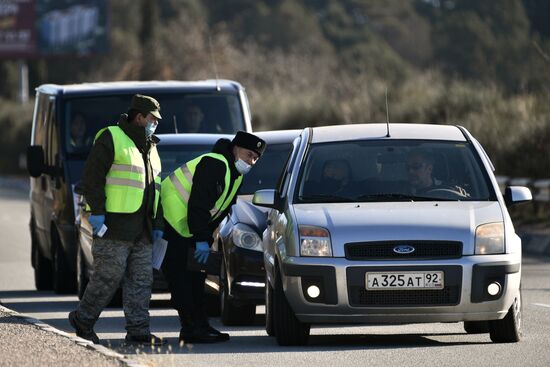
(208,185)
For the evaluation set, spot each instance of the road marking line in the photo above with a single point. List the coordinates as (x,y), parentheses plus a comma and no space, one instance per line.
(541,305)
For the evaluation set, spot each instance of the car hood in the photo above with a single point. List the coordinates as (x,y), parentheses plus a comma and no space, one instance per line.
(245,212)
(361,222)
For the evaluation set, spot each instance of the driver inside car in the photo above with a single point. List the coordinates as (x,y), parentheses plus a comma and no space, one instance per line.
(420,167)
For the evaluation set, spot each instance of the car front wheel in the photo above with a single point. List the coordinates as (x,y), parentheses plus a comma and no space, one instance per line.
(509,329)
(288,329)
(231,313)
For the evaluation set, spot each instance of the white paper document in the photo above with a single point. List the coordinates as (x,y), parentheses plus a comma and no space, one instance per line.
(159,250)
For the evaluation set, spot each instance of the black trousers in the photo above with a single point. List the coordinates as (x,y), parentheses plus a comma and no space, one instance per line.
(186,287)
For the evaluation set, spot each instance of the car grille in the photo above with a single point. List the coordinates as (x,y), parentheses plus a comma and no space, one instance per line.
(426,297)
(384,250)
(359,296)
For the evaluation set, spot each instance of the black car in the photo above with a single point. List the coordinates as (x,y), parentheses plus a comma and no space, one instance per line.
(241,282)
(65,121)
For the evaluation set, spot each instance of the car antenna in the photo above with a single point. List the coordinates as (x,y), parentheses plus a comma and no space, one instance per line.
(387,116)
(175,124)
(213,62)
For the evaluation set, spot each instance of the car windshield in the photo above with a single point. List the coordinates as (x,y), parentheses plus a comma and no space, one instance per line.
(191,113)
(173,156)
(266,171)
(392,170)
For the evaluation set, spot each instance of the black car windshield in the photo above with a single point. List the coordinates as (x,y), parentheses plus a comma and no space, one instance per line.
(393,170)
(173,156)
(266,171)
(181,113)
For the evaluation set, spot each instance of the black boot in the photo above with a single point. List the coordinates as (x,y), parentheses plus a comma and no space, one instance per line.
(196,332)
(203,322)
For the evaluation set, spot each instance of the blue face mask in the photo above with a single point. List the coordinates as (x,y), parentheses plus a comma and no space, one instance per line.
(150,128)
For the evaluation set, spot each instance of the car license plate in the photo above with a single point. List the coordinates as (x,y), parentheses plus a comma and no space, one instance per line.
(405,280)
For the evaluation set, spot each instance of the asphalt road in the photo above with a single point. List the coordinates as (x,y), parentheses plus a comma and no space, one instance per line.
(373,345)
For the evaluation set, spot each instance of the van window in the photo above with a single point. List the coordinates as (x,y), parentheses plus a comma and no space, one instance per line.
(191,113)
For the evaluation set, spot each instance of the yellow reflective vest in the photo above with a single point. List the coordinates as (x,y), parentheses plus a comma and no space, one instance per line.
(176,190)
(126,179)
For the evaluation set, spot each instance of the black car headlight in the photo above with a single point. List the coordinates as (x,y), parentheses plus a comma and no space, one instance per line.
(245,237)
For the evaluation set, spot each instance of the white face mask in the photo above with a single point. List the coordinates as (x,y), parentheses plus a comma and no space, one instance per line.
(150,129)
(242,166)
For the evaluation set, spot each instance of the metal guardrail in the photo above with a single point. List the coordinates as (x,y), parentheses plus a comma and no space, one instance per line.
(539,188)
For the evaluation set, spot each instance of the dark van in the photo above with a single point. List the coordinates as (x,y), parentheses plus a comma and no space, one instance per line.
(66,119)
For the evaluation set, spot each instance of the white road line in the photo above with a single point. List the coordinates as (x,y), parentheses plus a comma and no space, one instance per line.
(541,305)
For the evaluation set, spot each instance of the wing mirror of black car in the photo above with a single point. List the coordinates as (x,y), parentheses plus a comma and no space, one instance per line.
(267,198)
(517,194)
(35,160)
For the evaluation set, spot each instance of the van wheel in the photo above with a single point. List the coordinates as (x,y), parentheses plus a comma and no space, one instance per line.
(231,313)
(269,326)
(288,329)
(64,279)
(476,327)
(509,329)
(43,273)
(81,273)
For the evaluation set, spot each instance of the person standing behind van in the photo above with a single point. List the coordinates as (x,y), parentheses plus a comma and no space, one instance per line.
(121,185)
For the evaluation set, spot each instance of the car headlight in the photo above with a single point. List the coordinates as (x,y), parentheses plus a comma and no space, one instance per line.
(490,239)
(245,237)
(314,241)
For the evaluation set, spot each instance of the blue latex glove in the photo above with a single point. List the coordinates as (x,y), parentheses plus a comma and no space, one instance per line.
(202,250)
(96,221)
(157,233)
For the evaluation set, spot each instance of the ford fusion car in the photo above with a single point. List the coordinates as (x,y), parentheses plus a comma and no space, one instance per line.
(242,274)
(415,230)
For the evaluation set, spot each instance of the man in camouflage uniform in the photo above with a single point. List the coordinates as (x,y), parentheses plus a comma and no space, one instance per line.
(121,185)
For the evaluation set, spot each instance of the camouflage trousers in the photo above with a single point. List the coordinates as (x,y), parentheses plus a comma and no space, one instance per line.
(119,263)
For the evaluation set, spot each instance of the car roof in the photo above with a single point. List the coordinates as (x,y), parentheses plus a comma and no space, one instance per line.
(324,134)
(151,87)
(271,137)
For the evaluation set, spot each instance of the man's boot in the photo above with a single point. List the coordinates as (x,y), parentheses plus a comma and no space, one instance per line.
(193,331)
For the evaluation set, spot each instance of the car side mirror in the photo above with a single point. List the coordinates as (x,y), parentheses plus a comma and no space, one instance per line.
(266,198)
(517,194)
(35,160)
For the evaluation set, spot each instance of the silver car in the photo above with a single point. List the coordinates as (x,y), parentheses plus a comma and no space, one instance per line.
(400,223)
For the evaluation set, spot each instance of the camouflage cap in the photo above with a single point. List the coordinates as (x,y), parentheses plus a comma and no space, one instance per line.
(146,104)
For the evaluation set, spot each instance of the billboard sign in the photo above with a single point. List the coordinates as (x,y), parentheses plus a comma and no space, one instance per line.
(53,27)
(17,31)
(72,27)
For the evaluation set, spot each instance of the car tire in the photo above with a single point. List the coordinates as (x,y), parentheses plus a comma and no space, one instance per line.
(43,272)
(233,314)
(510,328)
(64,279)
(288,329)
(81,273)
(476,327)
(269,325)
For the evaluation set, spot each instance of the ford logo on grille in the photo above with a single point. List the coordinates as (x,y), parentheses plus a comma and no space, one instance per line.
(403,249)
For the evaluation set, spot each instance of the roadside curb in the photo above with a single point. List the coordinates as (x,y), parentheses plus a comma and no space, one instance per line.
(75,339)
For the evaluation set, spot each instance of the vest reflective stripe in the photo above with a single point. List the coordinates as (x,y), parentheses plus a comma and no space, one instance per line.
(125,182)
(177,188)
